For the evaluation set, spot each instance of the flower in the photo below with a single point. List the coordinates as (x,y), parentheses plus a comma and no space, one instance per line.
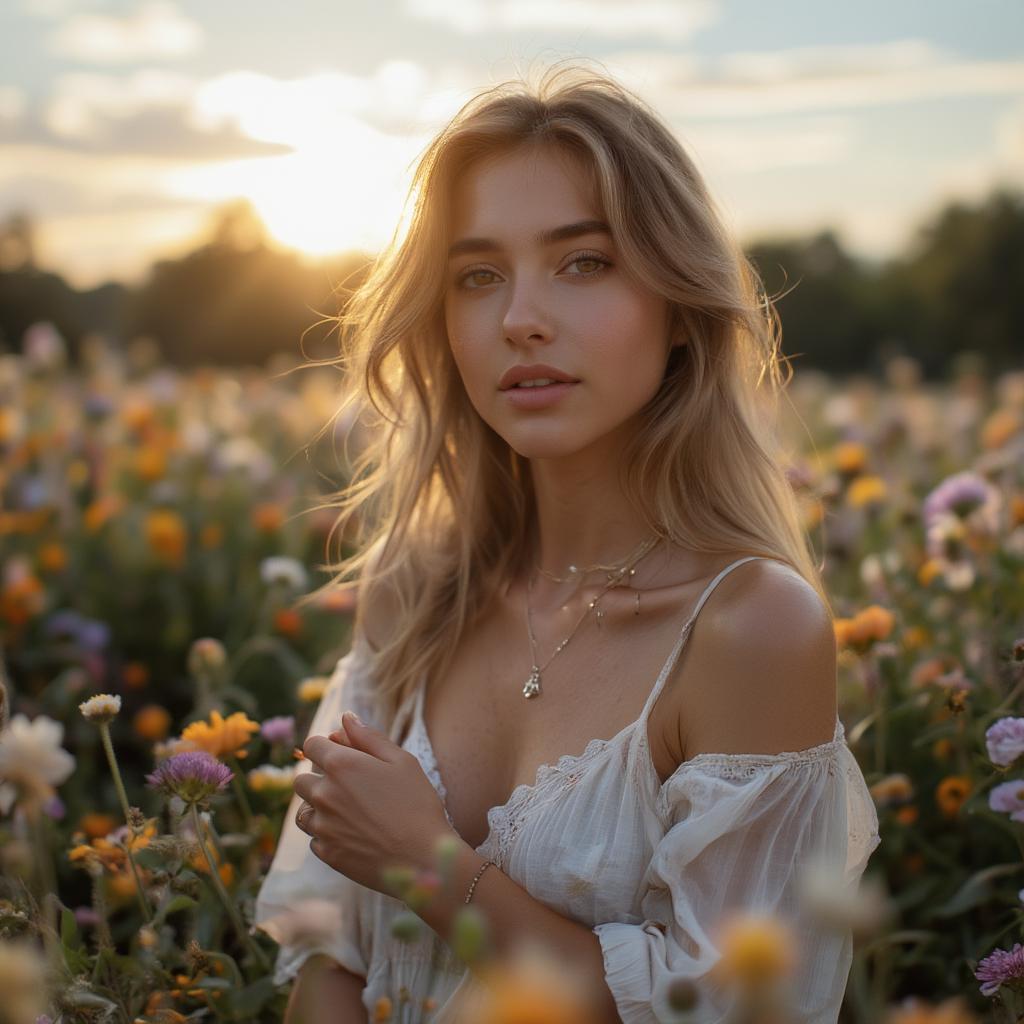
(1005,741)
(280,729)
(1008,797)
(863,908)
(951,793)
(32,760)
(22,981)
(966,496)
(193,776)
(312,689)
(1000,967)
(756,950)
(893,789)
(914,1011)
(270,777)
(866,490)
(152,722)
(166,535)
(100,709)
(286,571)
(222,737)
(206,655)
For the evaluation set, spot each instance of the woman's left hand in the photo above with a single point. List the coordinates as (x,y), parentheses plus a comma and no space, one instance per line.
(373,807)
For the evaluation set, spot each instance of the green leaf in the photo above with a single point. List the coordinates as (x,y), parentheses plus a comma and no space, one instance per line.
(173,906)
(977,889)
(69,934)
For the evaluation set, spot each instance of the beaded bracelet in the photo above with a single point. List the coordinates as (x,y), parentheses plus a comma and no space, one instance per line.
(476,879)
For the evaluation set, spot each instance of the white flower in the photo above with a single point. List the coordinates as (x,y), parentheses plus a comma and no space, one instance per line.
(822,891)
(271,777)
(101,708)
(278,569)
(32,760)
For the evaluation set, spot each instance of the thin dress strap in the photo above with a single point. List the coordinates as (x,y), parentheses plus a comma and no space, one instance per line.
(685,632)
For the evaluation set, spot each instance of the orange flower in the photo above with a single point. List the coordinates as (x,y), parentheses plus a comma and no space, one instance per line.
(166,535)
(893,789)
(135,675)
(96,825)
(1016,510)
(914,1011)
(382,1010)
(152,722)
(907,815)
(942,749)
(151,462)
(21,599)
(222,737)
(999,428)
(866,490)
(951,794)
(915,637)
(850,457)
(871,624)
(267,517)
(211,535)
(52,557)
(928,571)
(101,510)
(287,621)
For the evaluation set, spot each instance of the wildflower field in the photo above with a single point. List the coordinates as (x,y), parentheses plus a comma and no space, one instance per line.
(158,532)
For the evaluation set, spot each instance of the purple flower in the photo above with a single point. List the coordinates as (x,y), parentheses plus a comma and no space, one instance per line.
(1005,740)
(54,808)
(86,917)
(193,776)
(280,729)
(90,635)
(1008,798)
(1000,967)
(960,495)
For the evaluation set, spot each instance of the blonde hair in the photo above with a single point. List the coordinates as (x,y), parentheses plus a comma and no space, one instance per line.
(438,509)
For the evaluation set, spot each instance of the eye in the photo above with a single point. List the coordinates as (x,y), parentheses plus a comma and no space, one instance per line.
(582,257)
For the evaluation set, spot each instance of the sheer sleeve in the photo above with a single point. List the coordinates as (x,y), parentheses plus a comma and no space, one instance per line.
(740,830)
(304,905)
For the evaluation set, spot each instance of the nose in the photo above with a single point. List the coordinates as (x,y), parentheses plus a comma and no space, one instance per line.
(526,320)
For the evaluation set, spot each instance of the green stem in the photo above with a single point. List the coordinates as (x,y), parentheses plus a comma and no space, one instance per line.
(122,795)
(47,882)
(243,801)
(218,885)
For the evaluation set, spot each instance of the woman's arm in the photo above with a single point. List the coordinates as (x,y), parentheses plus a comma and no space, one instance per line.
(326,993)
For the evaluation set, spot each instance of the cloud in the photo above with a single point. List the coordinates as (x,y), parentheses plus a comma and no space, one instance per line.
(155,31)
(146,112)
(743,85)
(671,20)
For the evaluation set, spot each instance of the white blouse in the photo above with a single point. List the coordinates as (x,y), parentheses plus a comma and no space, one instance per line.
(650,867)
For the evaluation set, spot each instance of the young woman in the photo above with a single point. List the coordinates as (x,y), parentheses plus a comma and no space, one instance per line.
(566,374)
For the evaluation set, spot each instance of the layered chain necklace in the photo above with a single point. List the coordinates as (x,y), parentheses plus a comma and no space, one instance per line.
(615,575)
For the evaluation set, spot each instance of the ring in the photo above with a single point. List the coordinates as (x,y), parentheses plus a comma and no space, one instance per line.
(303,813)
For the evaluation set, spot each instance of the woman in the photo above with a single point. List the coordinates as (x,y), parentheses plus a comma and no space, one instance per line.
(566,372)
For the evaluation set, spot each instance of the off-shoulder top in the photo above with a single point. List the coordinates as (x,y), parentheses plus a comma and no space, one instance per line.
(650,867)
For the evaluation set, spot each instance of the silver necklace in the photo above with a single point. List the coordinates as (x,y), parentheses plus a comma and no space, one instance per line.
(532,686)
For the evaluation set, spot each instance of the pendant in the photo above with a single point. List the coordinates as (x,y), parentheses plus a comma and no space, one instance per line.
(532,686)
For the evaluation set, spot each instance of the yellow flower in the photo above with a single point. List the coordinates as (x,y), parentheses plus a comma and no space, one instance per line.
(913,1011)
(312,689)
(151,462)
(870,624)
(166,535)
(100,511)
(382,1010)
(756,951)
(850,457)
(866,490)
(951,794)
(222,737)
(999,428)
(928,571)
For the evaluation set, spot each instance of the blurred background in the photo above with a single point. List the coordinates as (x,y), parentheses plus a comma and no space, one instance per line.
(205,174)
(187,188)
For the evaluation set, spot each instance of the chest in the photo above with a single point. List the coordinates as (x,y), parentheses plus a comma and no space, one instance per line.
(487,738)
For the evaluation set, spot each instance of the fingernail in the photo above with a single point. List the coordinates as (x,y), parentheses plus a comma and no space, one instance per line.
(353,715)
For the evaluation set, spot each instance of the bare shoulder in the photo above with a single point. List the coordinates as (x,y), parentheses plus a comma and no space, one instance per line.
(763,660)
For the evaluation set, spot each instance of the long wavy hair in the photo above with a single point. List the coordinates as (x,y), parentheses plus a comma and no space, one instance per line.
(438,510)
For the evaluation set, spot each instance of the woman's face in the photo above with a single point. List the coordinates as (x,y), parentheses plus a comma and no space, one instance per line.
(516,299)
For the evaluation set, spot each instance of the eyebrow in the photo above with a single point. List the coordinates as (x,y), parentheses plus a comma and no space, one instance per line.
(582,227)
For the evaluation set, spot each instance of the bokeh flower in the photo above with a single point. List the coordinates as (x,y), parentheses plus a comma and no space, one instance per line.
(279,729)
(193,776)
(312,689)
(269,777)
(32,761)
(222,737)
(152,722)
(1008,797)
(288,572)
(757,950)
(951,794)
(22,982)
(1004,741)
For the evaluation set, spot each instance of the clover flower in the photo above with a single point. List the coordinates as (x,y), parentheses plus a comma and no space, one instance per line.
(104,707)
(1000,967)
(193,776)
(1005,741)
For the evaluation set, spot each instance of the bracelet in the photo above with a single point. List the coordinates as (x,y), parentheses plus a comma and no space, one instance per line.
(469,895)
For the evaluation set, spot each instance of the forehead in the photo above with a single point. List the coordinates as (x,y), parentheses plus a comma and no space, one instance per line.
(534,186)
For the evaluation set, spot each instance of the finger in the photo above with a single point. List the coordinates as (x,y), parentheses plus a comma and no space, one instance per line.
(321,751)
(338,736)
(304,785)
(303,818)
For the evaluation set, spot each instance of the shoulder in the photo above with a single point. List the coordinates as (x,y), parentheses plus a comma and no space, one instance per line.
(763,658)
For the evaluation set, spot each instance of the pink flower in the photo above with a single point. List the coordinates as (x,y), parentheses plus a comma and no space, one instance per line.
(1001,967)
(1009,798)
(1005,740)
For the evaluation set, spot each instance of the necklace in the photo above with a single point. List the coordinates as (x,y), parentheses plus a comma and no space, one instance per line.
(532,686)
(608,570)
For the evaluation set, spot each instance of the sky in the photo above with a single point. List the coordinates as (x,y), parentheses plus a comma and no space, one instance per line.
(124,125)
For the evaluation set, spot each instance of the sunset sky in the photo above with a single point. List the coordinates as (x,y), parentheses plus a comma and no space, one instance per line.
(122,125)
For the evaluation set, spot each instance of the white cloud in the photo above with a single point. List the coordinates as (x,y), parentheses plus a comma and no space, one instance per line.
(672,20)
(819,78)
(156,30)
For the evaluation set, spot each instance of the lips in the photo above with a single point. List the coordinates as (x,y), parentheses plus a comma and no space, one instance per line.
(537,371)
